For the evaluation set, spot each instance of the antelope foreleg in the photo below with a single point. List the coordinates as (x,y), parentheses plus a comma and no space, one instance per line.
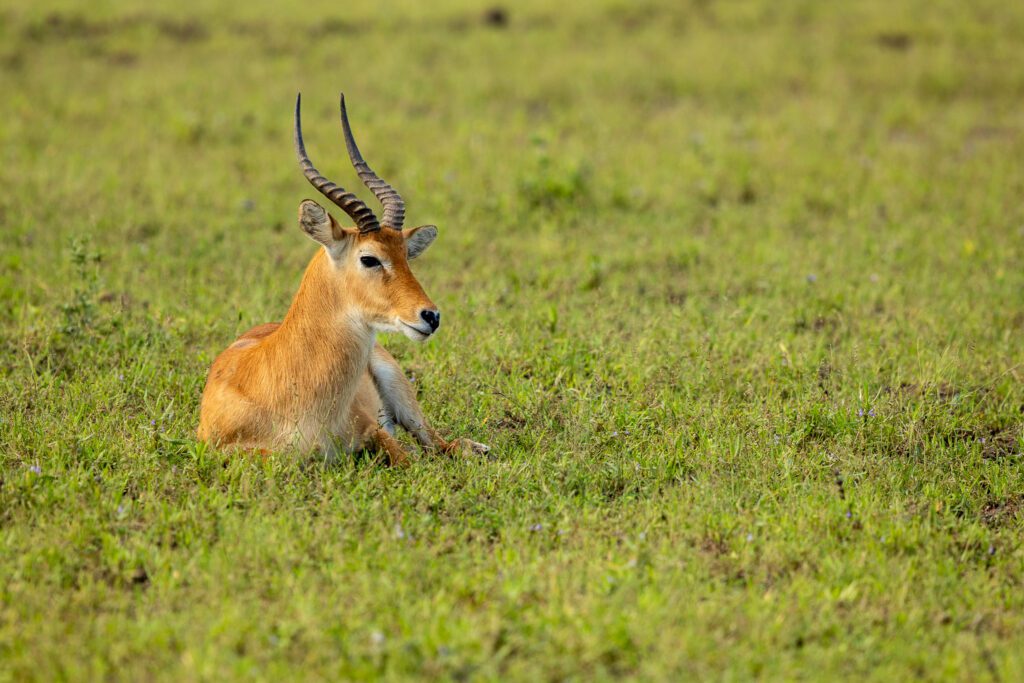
(380,440)
(398,396)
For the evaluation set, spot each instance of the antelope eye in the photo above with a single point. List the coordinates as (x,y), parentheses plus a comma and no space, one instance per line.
(369,261)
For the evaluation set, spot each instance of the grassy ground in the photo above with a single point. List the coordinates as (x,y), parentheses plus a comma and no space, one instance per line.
(734,289)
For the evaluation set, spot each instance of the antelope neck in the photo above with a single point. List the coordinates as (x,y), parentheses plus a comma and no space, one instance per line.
(318,345)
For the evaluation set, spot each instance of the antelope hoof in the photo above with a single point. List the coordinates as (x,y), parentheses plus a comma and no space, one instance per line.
(468,447)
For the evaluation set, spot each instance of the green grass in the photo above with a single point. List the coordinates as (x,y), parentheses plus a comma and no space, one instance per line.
(735,290)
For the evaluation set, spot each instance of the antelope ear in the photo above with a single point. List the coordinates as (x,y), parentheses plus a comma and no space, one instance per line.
(418,239)
(321,226)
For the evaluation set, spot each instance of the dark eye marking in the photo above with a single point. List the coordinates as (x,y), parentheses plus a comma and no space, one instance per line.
(369,261)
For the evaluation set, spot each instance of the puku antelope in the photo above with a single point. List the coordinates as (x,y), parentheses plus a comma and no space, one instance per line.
(318,379)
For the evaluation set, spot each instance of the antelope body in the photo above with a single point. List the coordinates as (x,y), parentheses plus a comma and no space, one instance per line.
(318,379)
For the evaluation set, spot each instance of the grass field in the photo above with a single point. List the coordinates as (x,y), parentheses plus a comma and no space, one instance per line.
(735,291)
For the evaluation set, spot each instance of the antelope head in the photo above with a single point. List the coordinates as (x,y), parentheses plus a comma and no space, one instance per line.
(369,262)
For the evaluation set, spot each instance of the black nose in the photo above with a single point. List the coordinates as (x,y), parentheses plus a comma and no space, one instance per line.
(432,318)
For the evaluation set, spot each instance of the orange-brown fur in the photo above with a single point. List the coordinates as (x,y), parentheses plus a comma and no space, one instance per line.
(318,379)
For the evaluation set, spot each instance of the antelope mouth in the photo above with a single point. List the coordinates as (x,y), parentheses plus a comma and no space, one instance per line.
(415,333)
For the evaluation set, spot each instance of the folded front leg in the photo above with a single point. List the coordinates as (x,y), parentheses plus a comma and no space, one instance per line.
(382,441)
(398,397)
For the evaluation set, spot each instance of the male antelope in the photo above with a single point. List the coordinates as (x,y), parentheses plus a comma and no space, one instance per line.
(318,379)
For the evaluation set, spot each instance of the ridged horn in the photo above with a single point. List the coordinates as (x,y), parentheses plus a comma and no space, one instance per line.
(346,201)
(394,206)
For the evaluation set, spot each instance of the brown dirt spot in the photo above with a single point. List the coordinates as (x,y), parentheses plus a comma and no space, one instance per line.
(122,58)
(140,577)
(334,27)
(1002,443)
(13,61)
(58,26)
(676,297)
(496,17)
(510,422)
(186,31)
(942,391)
(716,547)
(895,41)
(997,513)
